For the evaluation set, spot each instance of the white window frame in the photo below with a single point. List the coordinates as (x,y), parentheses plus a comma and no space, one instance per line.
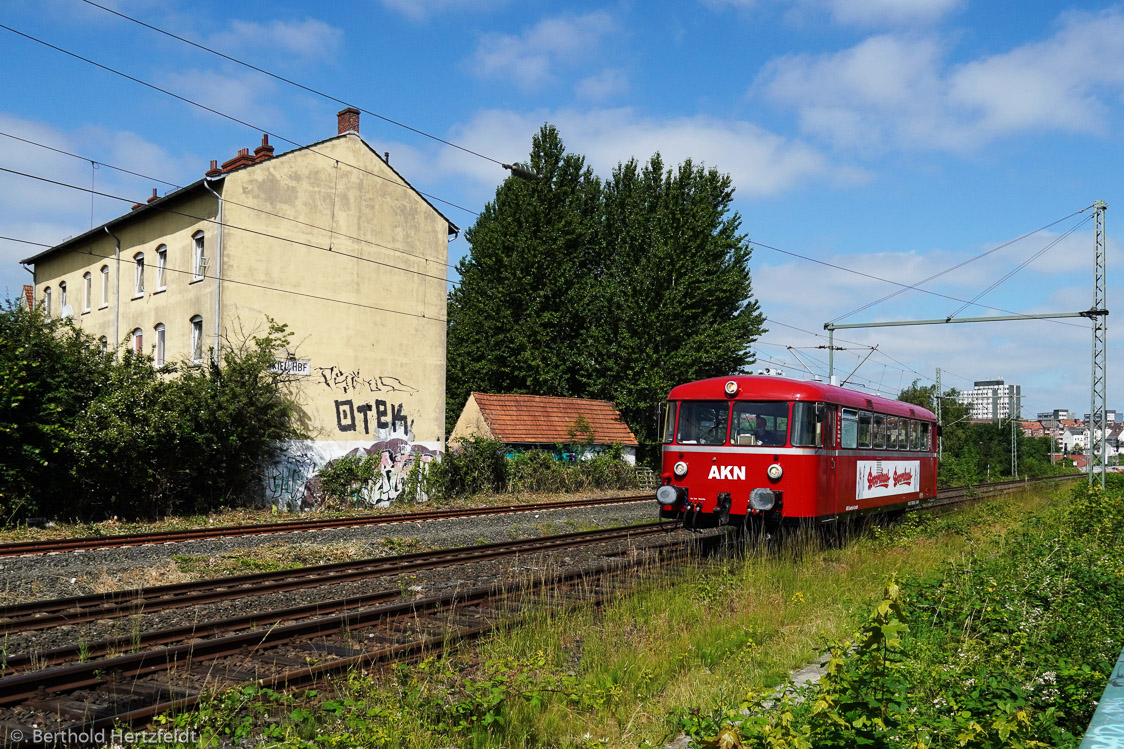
(47,301)
(198,257)
(161,348)
(62,296)
(104,345)
(138,281)
(161,266)
(138,340)
(197,339)
(87,290)
(104,286)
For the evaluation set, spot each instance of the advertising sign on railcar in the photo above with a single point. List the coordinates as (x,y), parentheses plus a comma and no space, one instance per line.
(885,478)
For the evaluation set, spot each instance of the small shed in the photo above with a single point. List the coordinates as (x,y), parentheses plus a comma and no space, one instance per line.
(525,422)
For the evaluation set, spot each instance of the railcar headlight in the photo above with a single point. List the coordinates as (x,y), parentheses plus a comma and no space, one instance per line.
(762,500)
(679,469)
(731,389)
(775,471)
(667,495)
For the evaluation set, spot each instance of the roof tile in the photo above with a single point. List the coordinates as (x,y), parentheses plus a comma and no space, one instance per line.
(542,419)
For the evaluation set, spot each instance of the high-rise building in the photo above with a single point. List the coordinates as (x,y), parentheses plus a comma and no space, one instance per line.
(991,399)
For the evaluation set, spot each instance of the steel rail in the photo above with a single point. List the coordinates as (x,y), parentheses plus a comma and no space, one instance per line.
(36,615)
(21,548)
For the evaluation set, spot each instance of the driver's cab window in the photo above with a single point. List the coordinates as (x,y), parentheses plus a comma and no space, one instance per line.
(703,422)
(760,423)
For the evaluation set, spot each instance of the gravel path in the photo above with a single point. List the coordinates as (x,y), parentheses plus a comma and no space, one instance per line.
(77,573)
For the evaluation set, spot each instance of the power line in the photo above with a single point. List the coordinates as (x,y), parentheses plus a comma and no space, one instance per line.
(960,265)
(886,280)
(26,241)
(301,86)
(230,226)
(232,118)
(230,201)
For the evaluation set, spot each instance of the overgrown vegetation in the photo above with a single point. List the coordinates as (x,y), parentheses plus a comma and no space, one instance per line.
(85,436)
(680,656)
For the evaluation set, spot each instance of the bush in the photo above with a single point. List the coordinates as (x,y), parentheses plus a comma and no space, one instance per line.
(475,466)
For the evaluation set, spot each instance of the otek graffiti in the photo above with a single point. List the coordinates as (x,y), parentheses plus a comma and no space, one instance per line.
(386,417)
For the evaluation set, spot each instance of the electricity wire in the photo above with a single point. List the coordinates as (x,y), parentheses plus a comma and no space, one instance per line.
(224,115)
(291,82)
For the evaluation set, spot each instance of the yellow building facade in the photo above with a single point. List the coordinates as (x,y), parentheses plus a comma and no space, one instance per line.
(328,239)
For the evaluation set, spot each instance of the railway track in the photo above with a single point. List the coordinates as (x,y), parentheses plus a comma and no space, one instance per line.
(89,687)
(274,651)
(293,526)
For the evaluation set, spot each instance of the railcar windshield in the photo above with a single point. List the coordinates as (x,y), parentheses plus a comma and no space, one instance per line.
(668,421)
(762,423)
(703,422)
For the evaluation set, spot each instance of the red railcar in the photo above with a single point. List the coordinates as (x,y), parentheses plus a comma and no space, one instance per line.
(783,451)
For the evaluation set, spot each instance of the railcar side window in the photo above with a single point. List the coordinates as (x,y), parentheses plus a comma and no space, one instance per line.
(865,428)
(850,428)
(926,444)
(806,428)
(879,432)
(914,435)
(762,423)
(668,421)
(703,422)
(891,432)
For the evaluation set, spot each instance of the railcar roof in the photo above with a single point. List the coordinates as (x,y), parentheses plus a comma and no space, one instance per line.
(755,387)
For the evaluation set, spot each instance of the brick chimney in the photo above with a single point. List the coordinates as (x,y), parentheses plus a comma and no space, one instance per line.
(214,171)
(154,196)
(242,159)
(348,120)
(264,151)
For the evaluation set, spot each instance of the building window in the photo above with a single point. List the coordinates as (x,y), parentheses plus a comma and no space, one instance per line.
(87,290)
(159,354)
(62,297)
(104,345)
(105,286)
(161,266)
(47,302)
(198,259)
(138,341)
(197,340)
(138,286)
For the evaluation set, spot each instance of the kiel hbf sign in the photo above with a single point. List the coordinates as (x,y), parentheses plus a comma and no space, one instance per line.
(295,367)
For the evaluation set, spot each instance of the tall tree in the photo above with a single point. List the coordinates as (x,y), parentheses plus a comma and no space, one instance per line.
(675,299)
(616,291)
(516,318)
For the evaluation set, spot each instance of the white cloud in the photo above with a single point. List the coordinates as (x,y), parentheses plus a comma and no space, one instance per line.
(760,162)
(605,84)
(899,91)
(245,95)
(530,59)
(309,39)
(863,13)
(421,9)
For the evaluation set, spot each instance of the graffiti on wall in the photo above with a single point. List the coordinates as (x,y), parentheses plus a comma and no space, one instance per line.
(291,482)
(335,378)
(380,415)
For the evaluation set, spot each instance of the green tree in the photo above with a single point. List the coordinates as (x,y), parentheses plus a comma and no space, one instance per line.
(516,319)
(675,300)
(617,291)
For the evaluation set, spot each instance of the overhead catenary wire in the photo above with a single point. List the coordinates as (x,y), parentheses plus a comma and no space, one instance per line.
(946,271)
(228,225)
(230,201)
(291,82)
(224,115)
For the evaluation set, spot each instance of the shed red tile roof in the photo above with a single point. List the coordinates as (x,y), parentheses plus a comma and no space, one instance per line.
(542,419)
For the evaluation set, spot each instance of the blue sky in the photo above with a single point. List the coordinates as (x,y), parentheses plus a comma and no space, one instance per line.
(892,137)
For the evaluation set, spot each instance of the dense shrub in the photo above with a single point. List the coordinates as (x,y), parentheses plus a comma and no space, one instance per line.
(475,465)
(83,436)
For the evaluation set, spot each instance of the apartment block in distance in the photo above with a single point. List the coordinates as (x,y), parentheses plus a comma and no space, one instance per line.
(990,400)
(328,239)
